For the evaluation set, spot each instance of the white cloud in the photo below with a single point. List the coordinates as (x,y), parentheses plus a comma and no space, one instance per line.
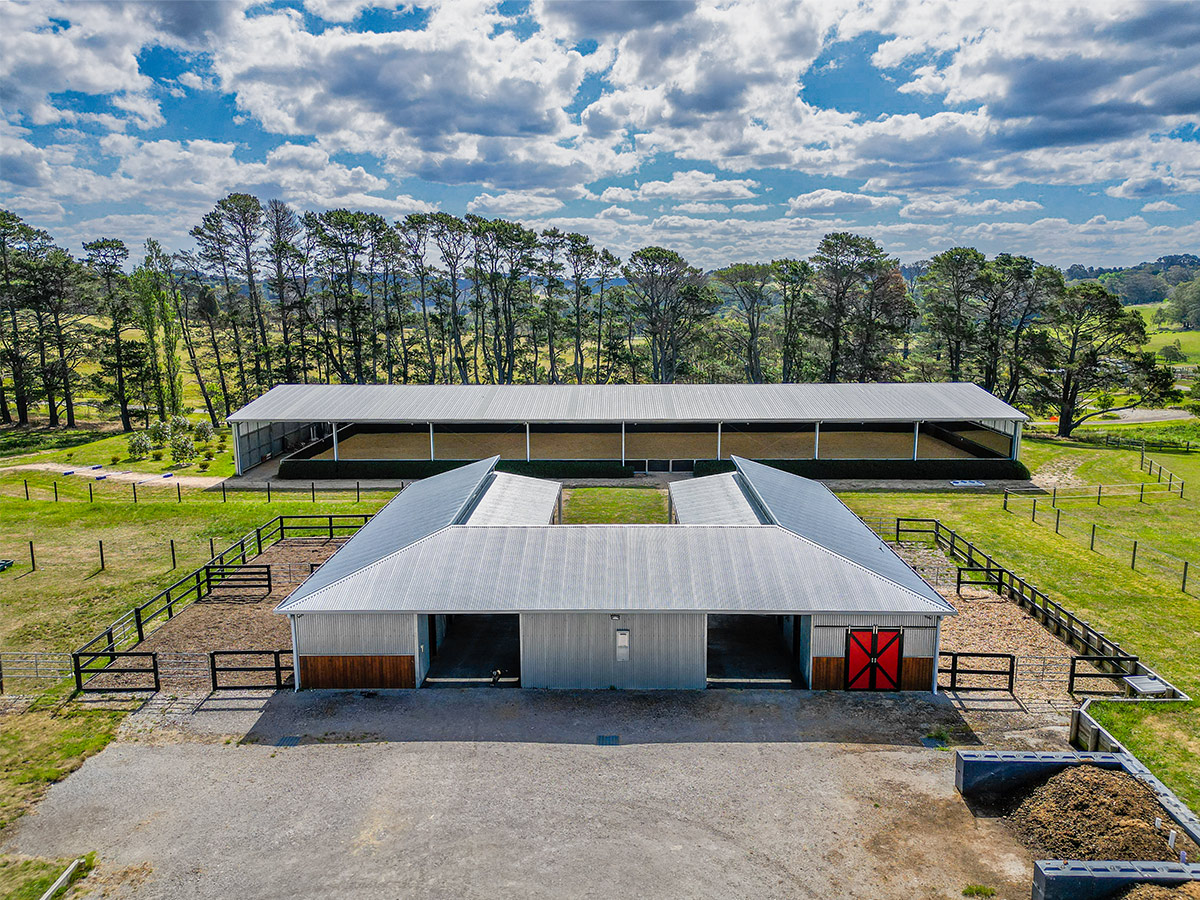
(750,207)
(932,207)
(621,213)
(702,208)
(514,205)
(824,200)
(1161,206)
(696,185)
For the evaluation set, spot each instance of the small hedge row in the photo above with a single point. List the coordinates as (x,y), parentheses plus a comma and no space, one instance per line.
(410,469)
(948,469)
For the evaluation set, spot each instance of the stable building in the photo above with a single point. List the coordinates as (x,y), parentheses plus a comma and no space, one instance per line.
(761,578)
(348,430)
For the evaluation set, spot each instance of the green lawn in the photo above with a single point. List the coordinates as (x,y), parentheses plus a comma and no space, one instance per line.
(1189,341)
(68,597)
(602,505)
(29,879)
(102,451)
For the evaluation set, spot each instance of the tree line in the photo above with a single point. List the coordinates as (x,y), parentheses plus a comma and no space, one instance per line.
(270,295)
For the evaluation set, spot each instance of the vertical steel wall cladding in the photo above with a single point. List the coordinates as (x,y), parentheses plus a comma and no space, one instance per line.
(579,650)
(356,634)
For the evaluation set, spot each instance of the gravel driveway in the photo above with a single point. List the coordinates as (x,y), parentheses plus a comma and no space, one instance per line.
(480,793)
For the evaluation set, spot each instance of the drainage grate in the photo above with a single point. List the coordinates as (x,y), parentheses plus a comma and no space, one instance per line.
(288,740)
(608,740)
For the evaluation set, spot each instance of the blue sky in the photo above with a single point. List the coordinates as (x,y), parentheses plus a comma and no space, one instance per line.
(729,131)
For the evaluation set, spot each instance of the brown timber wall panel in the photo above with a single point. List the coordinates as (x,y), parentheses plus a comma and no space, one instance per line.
(916,673)
(829,673)
(358,672)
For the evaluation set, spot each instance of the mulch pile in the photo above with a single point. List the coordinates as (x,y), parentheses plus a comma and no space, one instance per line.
(1189,891)
(1088,813)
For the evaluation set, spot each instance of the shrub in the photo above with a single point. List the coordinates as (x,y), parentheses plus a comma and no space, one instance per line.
(180,424)
(115,458)
(157,454)
(204,466)
(183,448)
(139,445)
(203,432)
(208,454)
(160,433)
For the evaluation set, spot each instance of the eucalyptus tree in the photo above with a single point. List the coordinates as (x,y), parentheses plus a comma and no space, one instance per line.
(14,234)
(1015,292)
(106,256)
(669,297)
(453,238)
(281,229)
(607,267)
(415,231)
(214,248)
(242,215)
(950,298)
(1095,349)
(847,268)
(793,279)
(750,289)
(551,266)
(582,260)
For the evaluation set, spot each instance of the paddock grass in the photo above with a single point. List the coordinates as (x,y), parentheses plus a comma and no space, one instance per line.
(68,598)
(26,878)
(611,506)
(100,451)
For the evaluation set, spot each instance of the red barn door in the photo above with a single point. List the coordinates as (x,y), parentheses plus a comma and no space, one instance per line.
(873,659)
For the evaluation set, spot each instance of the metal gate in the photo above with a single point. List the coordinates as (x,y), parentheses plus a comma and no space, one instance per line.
(873,658)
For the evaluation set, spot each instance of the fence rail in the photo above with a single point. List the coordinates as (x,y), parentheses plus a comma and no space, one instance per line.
(34,666)
(228,568)
(1052,615)
(1107,668)
(280,671)
(86,673)
(956,671)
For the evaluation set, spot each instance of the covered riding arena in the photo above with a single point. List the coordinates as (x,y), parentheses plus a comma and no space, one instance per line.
(648,427)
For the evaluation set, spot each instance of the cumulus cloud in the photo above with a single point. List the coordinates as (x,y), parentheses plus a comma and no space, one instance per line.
(514,204)
(701,208)
(1161,206)
(824,200)
(931,207)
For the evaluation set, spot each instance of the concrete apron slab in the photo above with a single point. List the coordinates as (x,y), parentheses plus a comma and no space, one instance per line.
(481,793)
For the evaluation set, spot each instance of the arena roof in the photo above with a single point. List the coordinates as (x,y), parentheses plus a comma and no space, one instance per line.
(640,403)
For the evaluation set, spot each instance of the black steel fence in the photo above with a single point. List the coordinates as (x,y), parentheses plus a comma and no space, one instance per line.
(1000,678)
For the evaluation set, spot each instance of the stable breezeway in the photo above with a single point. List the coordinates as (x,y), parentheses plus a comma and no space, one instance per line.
(468,793)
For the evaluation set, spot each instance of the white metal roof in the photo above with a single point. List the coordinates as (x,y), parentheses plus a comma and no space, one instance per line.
(640,403)
(419,510)
(714,500)
(809,509)
(515,500)
(614,568)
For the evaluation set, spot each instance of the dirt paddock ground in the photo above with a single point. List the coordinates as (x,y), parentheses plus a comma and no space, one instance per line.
(989,623)
(642,445)
(230,618)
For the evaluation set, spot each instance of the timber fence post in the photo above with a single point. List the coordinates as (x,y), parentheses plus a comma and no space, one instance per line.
(102,555)
(1133,558)
(1093,546)
(32,558)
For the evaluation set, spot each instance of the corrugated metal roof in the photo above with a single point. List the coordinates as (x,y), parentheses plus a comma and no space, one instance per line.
(714,500)
(418,511)
(382,404)
(809,509)
(515,500)
(609,568)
